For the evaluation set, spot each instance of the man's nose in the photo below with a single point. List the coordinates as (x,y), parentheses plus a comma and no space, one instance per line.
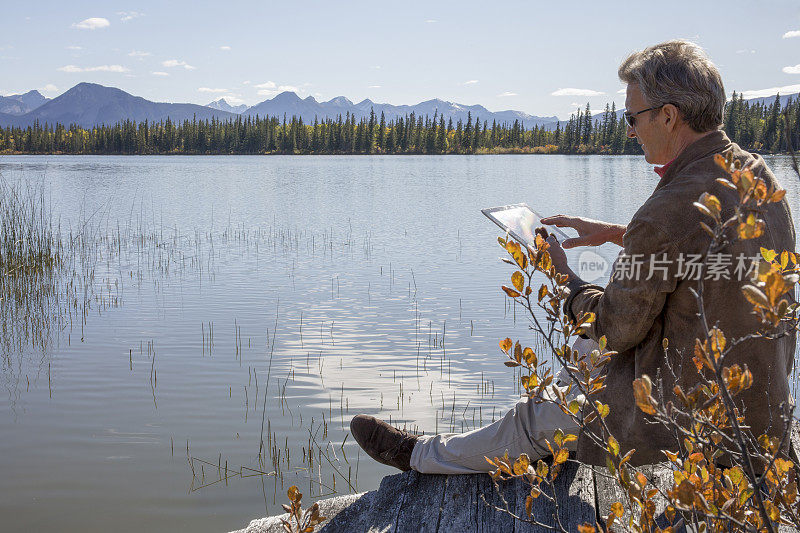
(630,131)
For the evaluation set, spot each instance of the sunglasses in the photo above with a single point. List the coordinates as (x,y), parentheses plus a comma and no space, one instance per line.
(630,118)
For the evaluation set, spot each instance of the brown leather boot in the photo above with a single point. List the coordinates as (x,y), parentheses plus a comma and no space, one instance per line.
(382,442)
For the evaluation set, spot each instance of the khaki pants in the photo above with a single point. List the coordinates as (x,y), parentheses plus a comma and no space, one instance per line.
(522,430)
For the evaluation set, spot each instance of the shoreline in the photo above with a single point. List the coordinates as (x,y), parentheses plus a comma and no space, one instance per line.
(509,152)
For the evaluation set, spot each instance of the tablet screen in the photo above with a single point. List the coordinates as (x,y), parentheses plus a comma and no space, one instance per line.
(520,221)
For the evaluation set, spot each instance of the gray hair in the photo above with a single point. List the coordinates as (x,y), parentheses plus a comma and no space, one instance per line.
(680,73)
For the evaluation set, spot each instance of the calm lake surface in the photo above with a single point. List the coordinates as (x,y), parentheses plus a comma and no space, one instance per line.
(234,298)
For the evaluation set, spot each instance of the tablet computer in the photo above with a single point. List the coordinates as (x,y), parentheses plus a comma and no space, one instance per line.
(520,221)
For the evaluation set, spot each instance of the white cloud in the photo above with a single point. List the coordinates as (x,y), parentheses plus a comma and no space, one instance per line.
(622,91)
(159,73)
(470,82)
(772,91)
(745,51)
(431,21)
(49,88)
(266,85)
(571,91)
(374,87)
(100,68)
(73,47)
(210,90)
(125,16)
(225,48)
(507,93)
(791,70)
(792,33)
(93,23)
(170,63)
(246,82)
(139,54)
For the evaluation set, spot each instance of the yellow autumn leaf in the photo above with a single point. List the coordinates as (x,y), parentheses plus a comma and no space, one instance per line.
(712,203)
(778,195)
(641,391)
(755,296)
(569,438)
(574,407)
(509,291)
(774,287)
(521,465)
(506,344)
(613,445)
(717,340)
(703,209)
(561,456)
(542,292)
(752,228)
(518,280)
(541,468)
(529,356)
(518,352)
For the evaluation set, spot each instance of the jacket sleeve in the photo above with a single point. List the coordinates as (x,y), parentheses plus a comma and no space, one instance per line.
(627,307)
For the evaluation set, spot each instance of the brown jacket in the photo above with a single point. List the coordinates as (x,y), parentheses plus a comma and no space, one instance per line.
(636,314)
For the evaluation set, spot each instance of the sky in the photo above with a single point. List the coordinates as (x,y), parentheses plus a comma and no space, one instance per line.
(543,58)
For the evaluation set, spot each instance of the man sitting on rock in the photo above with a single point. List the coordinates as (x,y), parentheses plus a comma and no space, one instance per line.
(674,108)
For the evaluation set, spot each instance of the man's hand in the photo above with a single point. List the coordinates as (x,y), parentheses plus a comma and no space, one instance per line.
(590,232)
(558,257)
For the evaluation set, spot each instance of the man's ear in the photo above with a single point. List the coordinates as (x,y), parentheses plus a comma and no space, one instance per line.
(672,114)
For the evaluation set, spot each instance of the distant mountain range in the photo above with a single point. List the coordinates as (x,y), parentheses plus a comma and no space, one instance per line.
(90,104)
(309,108)
(222,105)
(19,104)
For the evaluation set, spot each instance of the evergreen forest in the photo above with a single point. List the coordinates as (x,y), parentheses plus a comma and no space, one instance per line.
(758,127)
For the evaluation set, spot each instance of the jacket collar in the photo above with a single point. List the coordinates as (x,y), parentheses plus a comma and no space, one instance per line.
(663,169)
(712,143)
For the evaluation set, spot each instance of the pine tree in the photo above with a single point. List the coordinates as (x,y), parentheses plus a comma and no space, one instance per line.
(467,135)
(381,146)
(586,134)
(373,121)
(441,137)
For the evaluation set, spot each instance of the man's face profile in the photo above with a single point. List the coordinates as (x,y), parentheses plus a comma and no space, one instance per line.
(648,130)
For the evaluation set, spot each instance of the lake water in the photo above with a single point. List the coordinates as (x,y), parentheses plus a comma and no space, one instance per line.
(235,298)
